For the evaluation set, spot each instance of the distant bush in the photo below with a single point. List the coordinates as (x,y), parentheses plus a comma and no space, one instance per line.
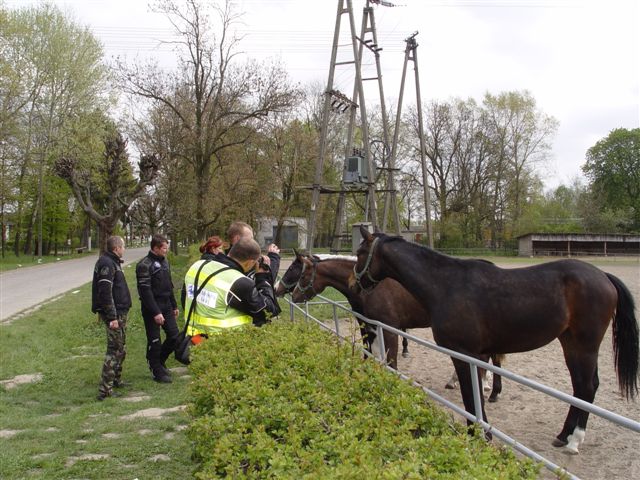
(288,401)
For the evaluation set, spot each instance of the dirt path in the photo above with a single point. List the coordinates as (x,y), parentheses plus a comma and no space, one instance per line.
(609,451)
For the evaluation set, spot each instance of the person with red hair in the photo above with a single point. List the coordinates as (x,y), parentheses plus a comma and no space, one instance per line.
(211,248)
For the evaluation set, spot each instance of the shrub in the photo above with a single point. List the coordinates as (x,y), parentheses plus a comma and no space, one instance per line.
(290,401)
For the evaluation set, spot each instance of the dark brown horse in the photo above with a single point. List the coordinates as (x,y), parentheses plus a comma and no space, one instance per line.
(477,308)
(388,302)
(304,281)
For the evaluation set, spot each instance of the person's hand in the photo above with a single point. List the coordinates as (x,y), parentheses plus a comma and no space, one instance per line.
(159,319)
(176,312)
(273,248)
(262,265)
(114,324)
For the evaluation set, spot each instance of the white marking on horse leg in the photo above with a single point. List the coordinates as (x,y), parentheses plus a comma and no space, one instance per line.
(487,381)
(453,382)
(575,440)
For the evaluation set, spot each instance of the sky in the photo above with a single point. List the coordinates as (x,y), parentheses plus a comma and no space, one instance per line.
(579,59)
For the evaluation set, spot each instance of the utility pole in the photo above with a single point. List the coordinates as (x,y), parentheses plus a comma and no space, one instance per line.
(411,54)
(335,100)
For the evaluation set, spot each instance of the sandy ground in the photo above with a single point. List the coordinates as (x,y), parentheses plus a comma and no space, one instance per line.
(534,419)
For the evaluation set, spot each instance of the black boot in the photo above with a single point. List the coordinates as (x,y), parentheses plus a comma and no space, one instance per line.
(160,374)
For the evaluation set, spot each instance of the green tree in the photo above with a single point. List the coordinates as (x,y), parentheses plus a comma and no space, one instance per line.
(519,137)
(110,181)
(61,78)
(613,169)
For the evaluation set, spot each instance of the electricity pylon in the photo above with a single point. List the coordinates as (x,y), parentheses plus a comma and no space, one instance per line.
(335,100)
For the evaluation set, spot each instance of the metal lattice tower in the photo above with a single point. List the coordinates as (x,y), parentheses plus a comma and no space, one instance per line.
(411,54)
(333,99)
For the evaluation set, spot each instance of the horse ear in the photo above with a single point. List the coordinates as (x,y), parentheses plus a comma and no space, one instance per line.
(376,229)
(366,235)
(299,256)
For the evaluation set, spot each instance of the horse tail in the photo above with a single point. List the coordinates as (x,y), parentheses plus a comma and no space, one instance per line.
(626,348)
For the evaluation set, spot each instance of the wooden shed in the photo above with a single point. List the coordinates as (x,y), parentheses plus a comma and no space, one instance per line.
(577,244)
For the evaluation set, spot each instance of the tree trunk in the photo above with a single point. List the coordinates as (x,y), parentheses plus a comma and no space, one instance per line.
(29,239)
(174,243)
(16,241)
(105,230)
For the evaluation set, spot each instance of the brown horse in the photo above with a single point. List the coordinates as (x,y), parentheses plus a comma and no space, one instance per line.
(388,302)
(304,281)
(477,308)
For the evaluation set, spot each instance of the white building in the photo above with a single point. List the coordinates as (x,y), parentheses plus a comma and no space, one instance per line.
(293,235)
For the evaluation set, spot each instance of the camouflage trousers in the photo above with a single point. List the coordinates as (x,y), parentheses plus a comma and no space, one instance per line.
(116,352)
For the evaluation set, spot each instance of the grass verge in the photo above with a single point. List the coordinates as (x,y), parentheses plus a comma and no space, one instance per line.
(55,429)
(11,262)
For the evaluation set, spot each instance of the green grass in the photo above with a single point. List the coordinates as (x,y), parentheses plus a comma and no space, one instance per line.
(11,262)
(58,418)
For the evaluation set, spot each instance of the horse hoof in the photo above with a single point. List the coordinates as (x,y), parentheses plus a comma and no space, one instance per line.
(575,440)
(493,398)
(405,354)
(558,443)
(571,451)
(451,385)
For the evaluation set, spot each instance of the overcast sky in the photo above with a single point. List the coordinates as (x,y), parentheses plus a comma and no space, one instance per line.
(580,59)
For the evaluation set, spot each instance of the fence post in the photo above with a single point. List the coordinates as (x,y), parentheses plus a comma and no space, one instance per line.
(380,337)
(476,386)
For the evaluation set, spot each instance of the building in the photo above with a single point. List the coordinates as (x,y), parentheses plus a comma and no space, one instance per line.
(577,244)
(293,234)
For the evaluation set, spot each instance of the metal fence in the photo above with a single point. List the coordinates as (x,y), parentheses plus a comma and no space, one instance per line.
(474,364)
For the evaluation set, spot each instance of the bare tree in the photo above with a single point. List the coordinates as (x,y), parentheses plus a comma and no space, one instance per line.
(216,99)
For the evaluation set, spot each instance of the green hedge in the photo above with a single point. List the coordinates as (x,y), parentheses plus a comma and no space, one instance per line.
(288,401)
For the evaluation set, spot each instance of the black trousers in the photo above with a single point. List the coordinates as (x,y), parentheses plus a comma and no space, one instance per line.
(157,350)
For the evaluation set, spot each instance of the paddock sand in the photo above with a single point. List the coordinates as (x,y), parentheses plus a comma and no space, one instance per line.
(534,419)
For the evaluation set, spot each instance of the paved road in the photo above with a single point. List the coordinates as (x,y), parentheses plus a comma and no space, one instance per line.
(25,288)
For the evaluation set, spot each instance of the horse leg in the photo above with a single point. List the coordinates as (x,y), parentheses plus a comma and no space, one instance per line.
(368,337)
(391,345)
(463,371)
(497,379)
(453,381)
(484,374)
(405,345)
(583,368)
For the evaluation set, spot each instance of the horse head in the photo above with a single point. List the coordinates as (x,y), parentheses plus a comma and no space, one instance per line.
(367,270)
(290,278)
(304,289)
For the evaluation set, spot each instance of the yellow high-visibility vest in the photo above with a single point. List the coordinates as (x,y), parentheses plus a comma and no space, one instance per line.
(212,313)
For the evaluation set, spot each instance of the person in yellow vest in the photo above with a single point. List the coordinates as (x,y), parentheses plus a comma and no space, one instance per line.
(227,298)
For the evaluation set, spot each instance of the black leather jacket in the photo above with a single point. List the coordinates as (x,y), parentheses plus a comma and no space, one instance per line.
(109,291)
(155,286)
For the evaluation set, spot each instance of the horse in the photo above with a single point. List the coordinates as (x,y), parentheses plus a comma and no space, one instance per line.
(291,282)
(388,302)
(477,308)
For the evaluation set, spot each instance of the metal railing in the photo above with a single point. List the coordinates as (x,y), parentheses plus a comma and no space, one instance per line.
(474,364)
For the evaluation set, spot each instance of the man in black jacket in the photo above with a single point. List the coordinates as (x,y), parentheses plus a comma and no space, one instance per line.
(111,300)
(159,307)
(238,230)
